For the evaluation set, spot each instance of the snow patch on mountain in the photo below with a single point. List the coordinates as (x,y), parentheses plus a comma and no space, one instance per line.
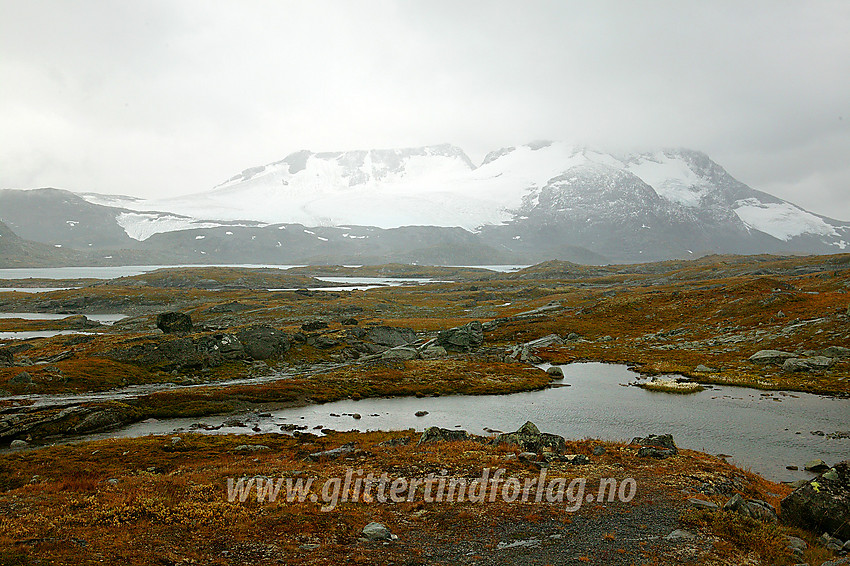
(671,178)
(781,220)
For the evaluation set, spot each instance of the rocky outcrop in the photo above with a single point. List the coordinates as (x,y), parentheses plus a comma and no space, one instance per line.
(822,504)
(461,338)
(527,352)
(531,439)
(655,446)
(764,357)
(171,322)
(816,363)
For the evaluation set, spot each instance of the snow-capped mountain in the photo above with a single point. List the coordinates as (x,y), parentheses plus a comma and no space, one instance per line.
(542,200)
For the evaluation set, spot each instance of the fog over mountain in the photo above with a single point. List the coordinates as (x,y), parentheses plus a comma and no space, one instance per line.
(542,200)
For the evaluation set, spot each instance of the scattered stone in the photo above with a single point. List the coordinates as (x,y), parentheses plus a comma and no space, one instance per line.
(807,364)
(437,434)
(822,504)
(753,508)
(531,439)
(555,371)
(334,453)
(816,466)
(22,378)
(576,459)
(831,543)
(461,338)
(420,413)
(377,531)
(771,357)
(171,322)
(17,444)
(251,448)
(680,534)
(655,446)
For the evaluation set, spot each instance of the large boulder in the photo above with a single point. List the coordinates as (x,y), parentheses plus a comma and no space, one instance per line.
(822,504)
(437,434)
(771,357)
(171,322)
(531,439)
(400,353)
(462,338)
(263,342)
(814,363)
(655,446)
(389,336)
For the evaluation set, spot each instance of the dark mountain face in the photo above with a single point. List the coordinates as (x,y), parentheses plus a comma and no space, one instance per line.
(58,217)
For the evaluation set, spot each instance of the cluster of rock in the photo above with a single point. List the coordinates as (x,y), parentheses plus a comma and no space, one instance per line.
(808,361)
(655,446)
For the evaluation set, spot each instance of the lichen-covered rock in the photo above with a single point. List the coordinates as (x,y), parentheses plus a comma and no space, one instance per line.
(400,353)
(814,363)
(822,504)
(753,508)
(389,335)
(171,322)
(771,357)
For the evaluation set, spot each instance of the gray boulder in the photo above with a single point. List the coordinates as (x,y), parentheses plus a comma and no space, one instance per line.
(432,351)
(314,325)
(389,336)
(817,466)
(437,434)
(461,338)
(771,357)
(18,444)
(400,353)
(99,420)
(531,439)
(815,363)
(836,352)
(753,508)
(171,322)
(555,371)
(334,453)
(6,359)
(376,531)
(822,504)
(263,342)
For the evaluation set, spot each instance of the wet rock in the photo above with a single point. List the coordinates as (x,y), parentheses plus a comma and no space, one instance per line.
(753,508)
(461,338)
(822,504)
(18,444)
(555,371)
(816,466)
(655,446)
(437,434)
(400,353)
(314,325)
(389,336)
(171,322)
(96,421)
(815,363)
(771,357)
(334,453)
(22,378)
(6,359)
(531,439)
(262,342)
(376,531)
(421,413)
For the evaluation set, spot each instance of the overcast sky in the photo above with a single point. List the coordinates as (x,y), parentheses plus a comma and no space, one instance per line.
(160,98)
